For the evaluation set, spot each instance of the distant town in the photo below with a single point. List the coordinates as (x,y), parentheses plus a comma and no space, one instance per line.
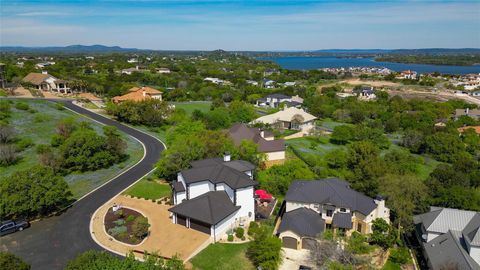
(221,160)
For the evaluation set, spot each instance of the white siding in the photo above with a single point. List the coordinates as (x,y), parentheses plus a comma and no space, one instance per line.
(180,178)
(180,196)
(197,189)
(475,253)
(295,205)
(227,189)
(431,236)
(247,202)
(280,155)
(222,227)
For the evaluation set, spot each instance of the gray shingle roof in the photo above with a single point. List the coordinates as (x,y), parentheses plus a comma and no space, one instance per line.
(239,165)
(211,207)
(342,220)
(472,231)
(240,132)
(447,252)
(303,222)
(178,186)
(217,173)
(332,191)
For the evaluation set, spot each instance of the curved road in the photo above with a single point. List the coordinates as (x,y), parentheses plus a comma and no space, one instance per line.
(51,243)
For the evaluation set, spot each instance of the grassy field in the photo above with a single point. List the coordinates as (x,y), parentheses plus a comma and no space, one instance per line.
(40,126)
(224,257)
(189,107)
(313,149)
(149,189)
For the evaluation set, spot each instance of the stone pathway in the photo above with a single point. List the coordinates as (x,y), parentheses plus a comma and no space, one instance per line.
(166,239)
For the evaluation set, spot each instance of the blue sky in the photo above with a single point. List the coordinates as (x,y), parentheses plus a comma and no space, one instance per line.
(241,25)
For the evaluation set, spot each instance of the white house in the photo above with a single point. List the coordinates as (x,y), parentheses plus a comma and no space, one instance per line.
(215,195)
(46,82)
(313,206)
(289,118)
(163,70)
(366,93)
(130,71)
(450,238)
(274,100)
(407,74)
(269,84)
(132,60)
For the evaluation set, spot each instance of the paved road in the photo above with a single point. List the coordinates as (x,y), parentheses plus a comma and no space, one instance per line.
(49,244)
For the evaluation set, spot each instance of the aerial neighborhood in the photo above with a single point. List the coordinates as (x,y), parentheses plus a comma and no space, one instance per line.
(352,167)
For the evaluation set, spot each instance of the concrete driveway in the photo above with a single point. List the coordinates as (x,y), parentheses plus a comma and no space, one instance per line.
(165,238)
(293,258)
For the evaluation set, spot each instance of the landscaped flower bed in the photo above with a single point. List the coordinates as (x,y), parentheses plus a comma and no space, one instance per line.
(126,225)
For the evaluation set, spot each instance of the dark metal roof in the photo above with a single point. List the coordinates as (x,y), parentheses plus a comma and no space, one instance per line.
(303,222)
(342,220)
(211,207)
(240,132)
(178,186)
(218,173)
(330,191)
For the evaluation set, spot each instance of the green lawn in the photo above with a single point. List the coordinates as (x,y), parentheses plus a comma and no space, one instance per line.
(40,126)
(189,107)
(222,256)
(149,189)
(391,266)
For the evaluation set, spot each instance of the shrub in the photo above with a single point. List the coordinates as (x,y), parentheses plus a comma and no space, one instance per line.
(140,227)
(117,230)
(7,155)
(119,222)
(230,238)
(11,261)
(120,214)
(23,144)
(59,106)
(130,218)
(399,255)
(252,228)
(38,118)
(22,106)
(239,232)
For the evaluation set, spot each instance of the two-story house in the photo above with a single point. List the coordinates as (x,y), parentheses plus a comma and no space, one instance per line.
(311,206)
(215,195)
(274,150)
(450,238)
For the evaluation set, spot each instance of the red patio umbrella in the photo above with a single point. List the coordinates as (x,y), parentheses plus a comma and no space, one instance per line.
(260,192)
(265,196)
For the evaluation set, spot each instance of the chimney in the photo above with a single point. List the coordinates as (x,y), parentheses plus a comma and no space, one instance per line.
(226,157)
(262,134)
(44,72)
(466,111)
(143,92)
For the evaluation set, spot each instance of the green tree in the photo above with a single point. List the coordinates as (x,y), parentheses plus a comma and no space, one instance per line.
(32,192)
(278,178)
(342,134)
(218,119)
(264,250)
(382,233)
(241,112)
(404,193)
(9,261)
(248,150)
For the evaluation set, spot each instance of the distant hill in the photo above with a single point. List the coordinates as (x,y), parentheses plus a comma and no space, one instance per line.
(69,49)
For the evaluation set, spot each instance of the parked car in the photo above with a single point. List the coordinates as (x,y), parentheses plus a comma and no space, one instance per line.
(11,226)
(303,267)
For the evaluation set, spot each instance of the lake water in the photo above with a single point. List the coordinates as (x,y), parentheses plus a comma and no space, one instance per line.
(334,62)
